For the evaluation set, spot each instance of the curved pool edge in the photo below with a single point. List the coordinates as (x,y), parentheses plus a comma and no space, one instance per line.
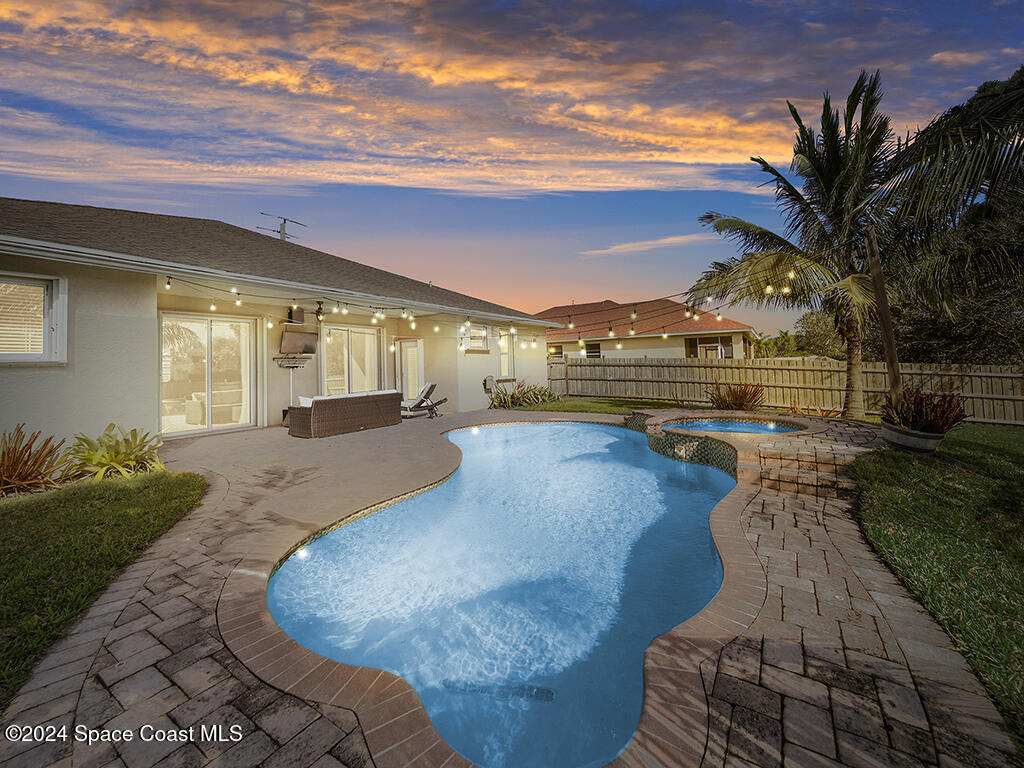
(672,730)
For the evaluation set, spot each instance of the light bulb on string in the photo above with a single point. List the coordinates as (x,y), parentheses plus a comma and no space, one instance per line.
(167,285)
(270,323)
(571,323)
(792,274)
(768,289)
(391,348)
(618,345)
(213,306)
(234,290)
(336,309)
(412,325)
(718,317)
(689,313)
(238,302)
(344,310)
(786,289)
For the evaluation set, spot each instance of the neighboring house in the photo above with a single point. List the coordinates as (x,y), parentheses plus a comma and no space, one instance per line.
(174,323)
(659,328)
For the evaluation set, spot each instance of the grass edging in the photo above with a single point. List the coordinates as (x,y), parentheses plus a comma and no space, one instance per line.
(60,549)
(951,526)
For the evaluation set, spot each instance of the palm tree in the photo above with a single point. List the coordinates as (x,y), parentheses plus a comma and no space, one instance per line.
(820,263)
(864,195)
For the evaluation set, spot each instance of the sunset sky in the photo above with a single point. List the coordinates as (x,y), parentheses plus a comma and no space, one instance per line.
(527,153)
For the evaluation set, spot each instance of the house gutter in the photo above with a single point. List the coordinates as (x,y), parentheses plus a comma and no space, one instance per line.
(606,337)
(72,254)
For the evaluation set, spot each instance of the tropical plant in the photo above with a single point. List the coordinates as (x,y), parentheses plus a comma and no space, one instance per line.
(924,411)
(863,195)
(521,394)
(736,397)
(25,466)
(115,452)
(818,264)
(816,335)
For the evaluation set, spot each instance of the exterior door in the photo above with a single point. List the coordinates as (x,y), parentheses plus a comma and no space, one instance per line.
(410,365)
(207,368)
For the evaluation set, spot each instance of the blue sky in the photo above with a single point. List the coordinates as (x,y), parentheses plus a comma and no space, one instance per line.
(528,153)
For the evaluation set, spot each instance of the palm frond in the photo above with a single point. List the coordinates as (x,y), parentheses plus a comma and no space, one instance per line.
(744,279)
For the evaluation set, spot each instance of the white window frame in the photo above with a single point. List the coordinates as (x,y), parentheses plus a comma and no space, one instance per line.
(508,348)
(380,340)
(55,319)
(479,341)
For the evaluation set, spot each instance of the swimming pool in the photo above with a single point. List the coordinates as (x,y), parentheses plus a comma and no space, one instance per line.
(723,425)
(519,597)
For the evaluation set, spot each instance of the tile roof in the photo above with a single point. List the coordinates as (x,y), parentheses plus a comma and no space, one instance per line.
(211,244)
(653,317)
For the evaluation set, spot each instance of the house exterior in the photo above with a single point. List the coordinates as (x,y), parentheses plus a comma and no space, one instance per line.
(174,323)
(658,328)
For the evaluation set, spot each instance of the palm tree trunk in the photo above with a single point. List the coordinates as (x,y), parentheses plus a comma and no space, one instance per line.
(892,360)
(853,401)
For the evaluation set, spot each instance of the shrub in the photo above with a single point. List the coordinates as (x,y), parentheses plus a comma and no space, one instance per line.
(115,452)
(736,397)
(25,466)
(924,411)
(521,394)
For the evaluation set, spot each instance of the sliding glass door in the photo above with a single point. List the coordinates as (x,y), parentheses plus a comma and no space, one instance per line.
(206,373)
(351,360)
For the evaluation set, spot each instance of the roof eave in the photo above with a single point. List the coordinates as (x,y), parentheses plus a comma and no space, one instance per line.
(72,254)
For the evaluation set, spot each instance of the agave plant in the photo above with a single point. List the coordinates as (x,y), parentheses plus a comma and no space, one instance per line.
(924,411)
(115,452)
(736,397)
(25,466)
(521,394)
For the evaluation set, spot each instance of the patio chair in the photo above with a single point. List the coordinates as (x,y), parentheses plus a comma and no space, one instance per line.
(422,404)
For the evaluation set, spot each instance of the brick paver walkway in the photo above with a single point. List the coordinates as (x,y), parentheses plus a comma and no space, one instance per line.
(840,667)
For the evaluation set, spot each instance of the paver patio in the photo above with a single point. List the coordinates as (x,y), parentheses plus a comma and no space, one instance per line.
(839,665)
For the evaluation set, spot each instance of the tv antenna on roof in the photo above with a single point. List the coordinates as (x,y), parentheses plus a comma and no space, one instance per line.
(281,228)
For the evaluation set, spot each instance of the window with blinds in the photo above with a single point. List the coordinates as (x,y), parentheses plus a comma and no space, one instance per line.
(23,316)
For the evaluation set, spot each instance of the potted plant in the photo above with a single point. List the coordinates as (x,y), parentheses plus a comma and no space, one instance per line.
(918,420)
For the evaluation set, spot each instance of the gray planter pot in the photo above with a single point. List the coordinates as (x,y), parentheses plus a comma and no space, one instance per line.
(911,439)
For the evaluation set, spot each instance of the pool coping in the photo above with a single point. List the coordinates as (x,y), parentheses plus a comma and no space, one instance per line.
(672,729)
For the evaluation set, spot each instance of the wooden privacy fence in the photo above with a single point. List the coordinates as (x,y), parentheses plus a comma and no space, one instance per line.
(993,393)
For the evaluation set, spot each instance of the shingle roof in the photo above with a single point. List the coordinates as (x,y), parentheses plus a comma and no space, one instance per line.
(653,317)
(211,244)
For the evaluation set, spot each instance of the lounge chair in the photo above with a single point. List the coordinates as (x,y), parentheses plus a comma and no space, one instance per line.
(422,404)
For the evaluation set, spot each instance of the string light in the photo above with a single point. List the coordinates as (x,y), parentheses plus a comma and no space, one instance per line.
(328,337)
(610,331)
(344,310)
(533,344)
(512,330)
(213,305)
(270,323)
(632,315)
(792,274)
(413,325)
(391,348)
(167,285)
(583,353)
(551,350)
(664,335)
(373,319)
(404,314)
(522,345)
(632,332)
(234,290)
(462,346)
(571,323)
(294,305)
(689,313)
(336,309)
(718,317)
(786,289)
(580,342)
(238,302)
(768,289)
(696,316)
(437,328)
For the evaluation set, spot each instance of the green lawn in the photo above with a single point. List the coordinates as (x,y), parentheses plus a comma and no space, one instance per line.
(623,405)
(952,527)
(60,549)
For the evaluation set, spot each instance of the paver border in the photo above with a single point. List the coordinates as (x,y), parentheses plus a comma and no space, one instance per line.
(673,725)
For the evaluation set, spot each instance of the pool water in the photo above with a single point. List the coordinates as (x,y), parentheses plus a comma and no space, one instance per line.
(721,425)
(519,597)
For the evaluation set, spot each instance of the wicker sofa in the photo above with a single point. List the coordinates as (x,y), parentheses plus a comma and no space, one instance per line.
(337,414)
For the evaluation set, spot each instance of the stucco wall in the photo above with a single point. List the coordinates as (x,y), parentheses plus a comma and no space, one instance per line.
(672,347)
(111,371)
